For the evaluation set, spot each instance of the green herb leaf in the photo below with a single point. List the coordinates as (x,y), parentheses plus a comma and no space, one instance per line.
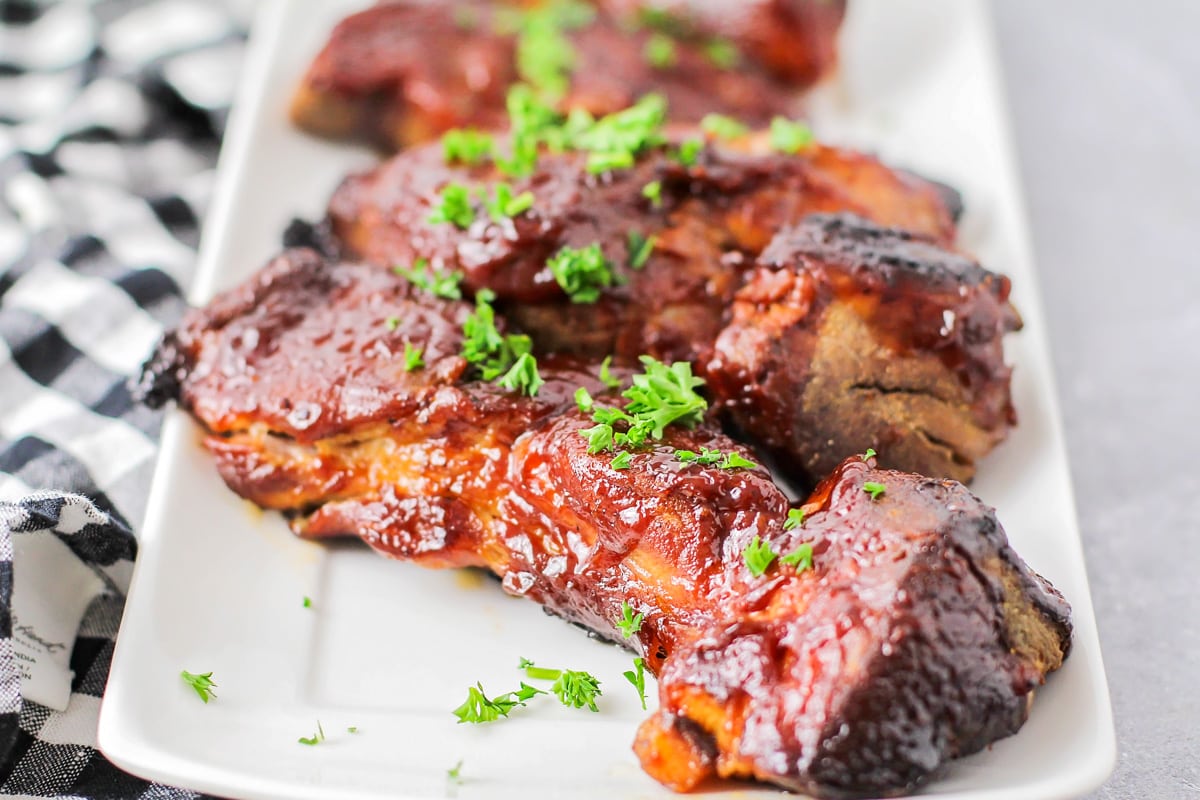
(801,558)
(652,191)
(637,676)
(352,729)
(629,623)
(689,151)
(788,136)
(706,456)
(454,206)
(874,489)
(662,395)
(758,556)
(867,456)
(614,141)
(467,146)
(443,284)
(454,774)
(735,461)
(599,437)
(722,127)
(412,357)
(621,460)
(479,708)
(606,376)
(722,53)
(483,346)
(523,376)
(583,399)
(392,323)
(795,519)
(316,738)
(574,689)
(202,683)
(660,51)
(640,248)
(582,273)
(307,601)
(504,205)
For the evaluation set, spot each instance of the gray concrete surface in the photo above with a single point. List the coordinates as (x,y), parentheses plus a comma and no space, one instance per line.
(1105,100)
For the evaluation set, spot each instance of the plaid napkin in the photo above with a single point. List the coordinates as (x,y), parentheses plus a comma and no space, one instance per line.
(110,118)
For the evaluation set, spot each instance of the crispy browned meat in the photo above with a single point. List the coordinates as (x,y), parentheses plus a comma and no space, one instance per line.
(929,401)
(916,636)
(404,72)
(849,336)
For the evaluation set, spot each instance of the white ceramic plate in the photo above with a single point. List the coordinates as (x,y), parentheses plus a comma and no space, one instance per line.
(390,648)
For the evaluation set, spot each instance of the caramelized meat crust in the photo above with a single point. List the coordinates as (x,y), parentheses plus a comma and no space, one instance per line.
(772,309)
(916,636)
(404,72)
(848,336)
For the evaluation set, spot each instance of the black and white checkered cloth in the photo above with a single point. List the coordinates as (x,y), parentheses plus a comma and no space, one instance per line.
(110,118)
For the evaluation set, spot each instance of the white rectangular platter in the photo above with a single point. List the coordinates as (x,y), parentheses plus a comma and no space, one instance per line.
(390,649)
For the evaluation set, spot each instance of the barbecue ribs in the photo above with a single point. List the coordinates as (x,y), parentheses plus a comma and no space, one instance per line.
(404,72)
(916,636)
(915,332)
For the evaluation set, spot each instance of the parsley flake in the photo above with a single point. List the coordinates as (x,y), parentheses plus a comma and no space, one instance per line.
(479,708)
(637,676)
(613,141)
(706,456)
(454,774)
(629,623)
(583,399)
(867,456)
(621,460)
(606,376)
(412,357)
(801,558)
(316,738)
(504,204)
(640,248)
(652,191)
(201,682)
(453,206)
(758,556)
(795,519)
(523,376)
(307,601)
(484,347)
(736,461)
(689,151)
(660,51)
(466,146)
(574,689)
(392,323)
(722,126)
(789,137)
(582,273)
(660,396)
(352,729)
(722,53)
(874,489)
(443,284)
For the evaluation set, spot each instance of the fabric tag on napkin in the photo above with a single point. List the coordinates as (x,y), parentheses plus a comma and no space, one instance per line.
(52,589)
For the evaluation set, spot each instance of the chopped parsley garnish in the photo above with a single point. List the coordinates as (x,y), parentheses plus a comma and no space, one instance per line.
(615,140)
(307,601)
(867,456)
(795,519)
(788,136)
(201,682)
(688,152)
(660,51)
(483,346)
(652,191)
(454,206)
(606,376)
(467,146)
(874,489)
(583,399)
(352,729)
(629,623)
(316,738)
(504,204)
(708,456)
(722,127)
(412,357)
(637,676)
(640,248)
(582,272)
(479,708)
(801,558)
(621,460)
(573,689)
(439,283)
(454,774)
(722,53)
(758,556)
(392,323)
(545,56)
(660,396)
(522,376)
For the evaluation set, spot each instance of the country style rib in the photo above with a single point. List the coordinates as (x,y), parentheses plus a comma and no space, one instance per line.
(401,73)
(916,636)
